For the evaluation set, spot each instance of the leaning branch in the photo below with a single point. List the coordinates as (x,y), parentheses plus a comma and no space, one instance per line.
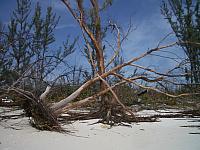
(65,101)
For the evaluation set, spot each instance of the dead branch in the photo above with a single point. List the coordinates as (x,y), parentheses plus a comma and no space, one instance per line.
(45,93)
(158,73)
(91,98)
(74,95)
(114,26)
(84,101)
(164,93)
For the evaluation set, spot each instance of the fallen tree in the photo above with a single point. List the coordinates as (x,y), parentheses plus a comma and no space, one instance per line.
(111,110)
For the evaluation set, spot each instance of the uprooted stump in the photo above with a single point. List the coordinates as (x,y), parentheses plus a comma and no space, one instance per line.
(41,116)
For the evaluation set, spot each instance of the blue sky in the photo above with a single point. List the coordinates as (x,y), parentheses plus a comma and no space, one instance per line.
(150,26)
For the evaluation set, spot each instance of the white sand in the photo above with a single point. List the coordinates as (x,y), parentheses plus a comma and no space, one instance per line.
(164,135)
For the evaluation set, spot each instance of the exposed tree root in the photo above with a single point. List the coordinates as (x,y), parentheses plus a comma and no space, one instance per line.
(108,114)
(43,118)
(41,115)
(116,115)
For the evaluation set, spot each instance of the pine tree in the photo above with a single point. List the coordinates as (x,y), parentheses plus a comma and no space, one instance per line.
(184,18)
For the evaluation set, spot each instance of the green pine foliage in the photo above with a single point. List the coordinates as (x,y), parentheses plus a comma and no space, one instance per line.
(26,45)
(184,18)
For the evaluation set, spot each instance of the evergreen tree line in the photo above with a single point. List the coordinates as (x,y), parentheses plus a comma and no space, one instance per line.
(184,18)
(26,51)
